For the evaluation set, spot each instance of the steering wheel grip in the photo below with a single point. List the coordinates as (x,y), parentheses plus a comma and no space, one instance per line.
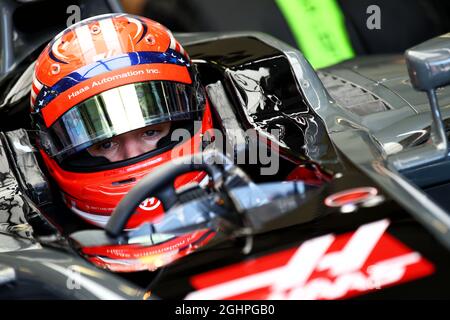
(158,183)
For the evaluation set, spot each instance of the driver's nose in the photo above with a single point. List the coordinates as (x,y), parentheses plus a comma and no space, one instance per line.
(131,147)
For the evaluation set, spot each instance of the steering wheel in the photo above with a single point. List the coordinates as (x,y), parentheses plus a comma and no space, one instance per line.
(160,184)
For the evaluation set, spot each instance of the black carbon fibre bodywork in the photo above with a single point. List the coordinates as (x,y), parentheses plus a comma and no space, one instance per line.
(253,83)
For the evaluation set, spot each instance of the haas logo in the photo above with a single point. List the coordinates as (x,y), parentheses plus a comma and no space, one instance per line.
(328,267)
(150,204)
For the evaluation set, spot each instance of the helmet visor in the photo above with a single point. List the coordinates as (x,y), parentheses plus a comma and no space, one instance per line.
(118,111)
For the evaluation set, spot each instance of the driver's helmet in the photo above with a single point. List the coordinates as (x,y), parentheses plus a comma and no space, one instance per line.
(107,94)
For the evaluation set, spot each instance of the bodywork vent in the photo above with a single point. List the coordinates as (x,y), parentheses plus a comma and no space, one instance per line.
(351,96)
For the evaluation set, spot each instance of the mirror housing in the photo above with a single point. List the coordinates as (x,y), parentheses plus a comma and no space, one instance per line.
(429,63)
(429,68)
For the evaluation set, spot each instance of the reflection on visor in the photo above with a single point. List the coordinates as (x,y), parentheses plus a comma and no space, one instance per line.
(120,110)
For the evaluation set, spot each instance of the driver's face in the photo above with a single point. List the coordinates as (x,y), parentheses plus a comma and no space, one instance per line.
(130,144)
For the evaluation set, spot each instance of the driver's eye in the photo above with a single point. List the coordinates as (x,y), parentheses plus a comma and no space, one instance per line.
(151,133)
(106,145)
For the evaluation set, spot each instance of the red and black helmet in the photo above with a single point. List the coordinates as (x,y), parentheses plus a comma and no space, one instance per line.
(101,79)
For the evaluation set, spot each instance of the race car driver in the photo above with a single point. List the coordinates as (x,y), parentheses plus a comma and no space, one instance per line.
(107,93)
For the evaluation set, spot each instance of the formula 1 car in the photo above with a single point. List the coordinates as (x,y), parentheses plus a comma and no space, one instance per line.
(356,208)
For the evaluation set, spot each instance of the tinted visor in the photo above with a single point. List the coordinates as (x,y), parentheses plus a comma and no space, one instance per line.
(118,111)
